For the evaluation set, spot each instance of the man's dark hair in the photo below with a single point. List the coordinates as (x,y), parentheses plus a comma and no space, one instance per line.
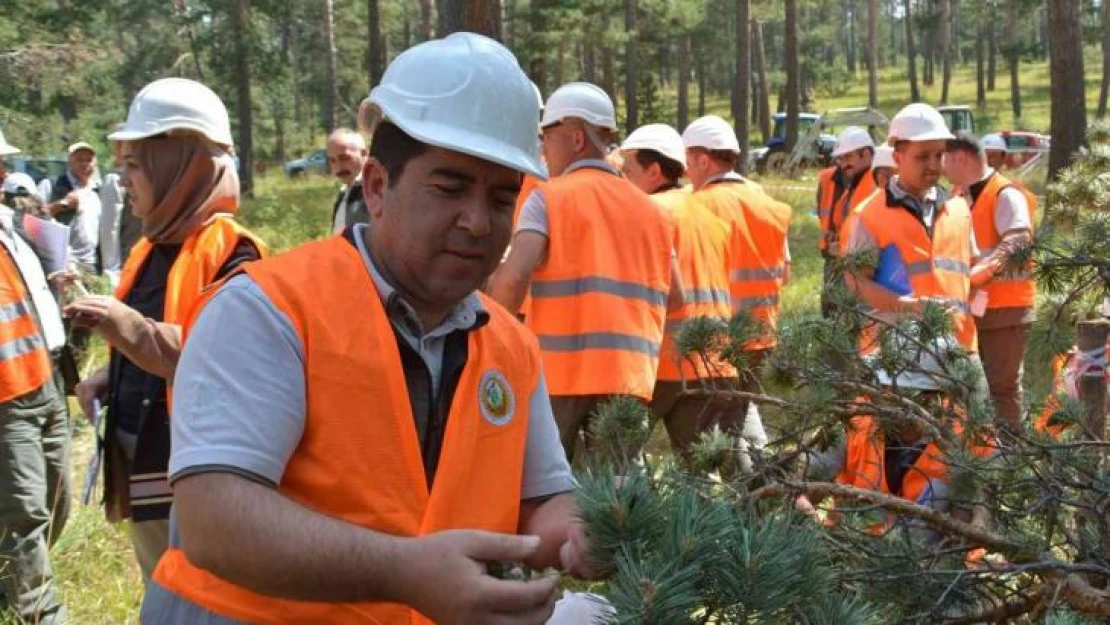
(672,170)
(394,149)
(967,143)
(723,157)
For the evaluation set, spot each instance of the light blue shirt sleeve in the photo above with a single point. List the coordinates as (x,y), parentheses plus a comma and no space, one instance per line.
(239,388)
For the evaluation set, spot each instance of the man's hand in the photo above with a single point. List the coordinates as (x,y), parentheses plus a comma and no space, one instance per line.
(574,555)
(92,311)
(447,580)
(805,506)
(92,388)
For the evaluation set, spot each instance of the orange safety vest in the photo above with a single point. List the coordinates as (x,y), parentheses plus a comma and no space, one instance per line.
(757,253)
(1052,403)
(937,266)
(865,467)
(359,459)
(24,360)
(835,215)
(599,303)
(701,241)
(1008,289)
(826,199)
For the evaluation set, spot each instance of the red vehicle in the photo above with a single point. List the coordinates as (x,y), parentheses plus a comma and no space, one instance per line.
(1023,146)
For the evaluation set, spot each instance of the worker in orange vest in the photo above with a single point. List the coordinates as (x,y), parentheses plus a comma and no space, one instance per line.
(34,428)
(597,256)
(898,459)
(883,168)
(1067,369)
(654,160)
(357,431)
(923,238)
(759,252)
(853,153)
(1003,215)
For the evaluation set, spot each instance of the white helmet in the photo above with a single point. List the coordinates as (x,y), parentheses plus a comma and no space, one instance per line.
(19,181)
(851,139)
(884,157)
(464,93)
(580,100)
(7,149)
(919,122)
(176,104)
(926,369)
(711,133)
(993,141)
(659,137)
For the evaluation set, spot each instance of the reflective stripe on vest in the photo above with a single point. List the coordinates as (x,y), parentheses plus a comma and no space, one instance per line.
(599,302)
(1009,289)
(24,359)
(757,258)
(937,267)
(701,242)
(359,459)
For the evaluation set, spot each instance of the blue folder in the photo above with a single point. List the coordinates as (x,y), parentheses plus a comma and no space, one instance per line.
(891,272)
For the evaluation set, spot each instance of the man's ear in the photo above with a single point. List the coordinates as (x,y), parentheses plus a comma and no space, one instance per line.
(375,181)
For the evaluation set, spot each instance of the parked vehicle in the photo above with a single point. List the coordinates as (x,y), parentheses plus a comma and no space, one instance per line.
(815,138)
(316,162)
(958,117)
(37,168)
(1023,146)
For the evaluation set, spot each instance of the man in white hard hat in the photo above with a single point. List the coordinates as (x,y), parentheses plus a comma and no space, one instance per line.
(883,167)
(654,160)
(759,252)
(996,149)
(924,238)
(1002,215)
(409,438)
(34,426)
(597,255)
(74,199)
(347,154)
(853,154)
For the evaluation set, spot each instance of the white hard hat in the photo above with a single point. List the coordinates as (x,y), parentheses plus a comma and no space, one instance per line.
(884,157)
(711,133)
(464,93)
(919,122)
(7,149)
(176,104)
(993,141)
(19,181)
(659,137)
(80,145)
(851,139)
(580,100)
(926,370)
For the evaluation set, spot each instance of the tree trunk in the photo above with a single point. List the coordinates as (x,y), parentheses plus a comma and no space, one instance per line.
(683,81)
(743,79)
(703,79)
(911,54)
(376,56)
(760,61)
(992,45)
(945,27)
(982,20)
(425,20)
(476,16)
(1012,49)
(850,34)
(245,149)
(632,112)
(332,100)
(1104,92)
(589,62)
(609,72)
(1069,107)
(561,61)
(790,56)
(873,53)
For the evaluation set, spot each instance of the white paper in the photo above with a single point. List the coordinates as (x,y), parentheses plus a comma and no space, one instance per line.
(979,303)
(51,241)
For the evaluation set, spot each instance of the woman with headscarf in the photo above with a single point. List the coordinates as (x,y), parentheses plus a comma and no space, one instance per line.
(183,186)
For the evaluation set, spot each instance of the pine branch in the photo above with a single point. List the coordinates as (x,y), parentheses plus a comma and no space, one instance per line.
(1004,611)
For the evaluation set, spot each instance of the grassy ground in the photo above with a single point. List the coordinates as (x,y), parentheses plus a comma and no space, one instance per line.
(96,573)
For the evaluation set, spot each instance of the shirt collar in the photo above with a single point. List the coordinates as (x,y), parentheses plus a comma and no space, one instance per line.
(469,314)
(593,163)
(900,193)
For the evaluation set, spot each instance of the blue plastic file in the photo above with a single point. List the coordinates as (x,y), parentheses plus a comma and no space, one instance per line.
(891,272)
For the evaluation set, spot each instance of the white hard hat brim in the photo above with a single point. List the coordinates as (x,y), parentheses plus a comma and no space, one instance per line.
(133,133)
(849,149)
(9,150)
(936,135)
(463,142)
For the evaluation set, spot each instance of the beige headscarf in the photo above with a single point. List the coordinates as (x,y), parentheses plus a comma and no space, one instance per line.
(192,180)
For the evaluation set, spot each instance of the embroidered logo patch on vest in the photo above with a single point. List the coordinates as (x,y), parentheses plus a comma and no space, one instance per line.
(495,398)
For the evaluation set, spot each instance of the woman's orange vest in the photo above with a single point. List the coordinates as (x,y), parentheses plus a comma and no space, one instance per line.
(937,266)
(202,256)
(24,360)
(359,458)
(838,213)
(701,242)
(757,253)
(1009,289)
(599,302)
